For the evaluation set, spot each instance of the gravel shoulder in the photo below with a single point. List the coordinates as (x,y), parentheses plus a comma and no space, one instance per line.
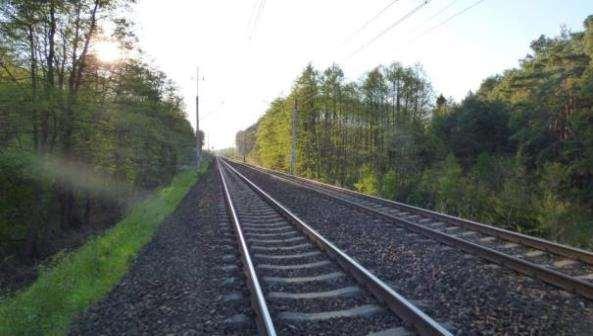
(471,296)
(180,283)
(249,207)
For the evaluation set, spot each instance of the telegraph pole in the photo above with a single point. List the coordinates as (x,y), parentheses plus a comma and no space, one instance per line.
(294,138)
(198,139)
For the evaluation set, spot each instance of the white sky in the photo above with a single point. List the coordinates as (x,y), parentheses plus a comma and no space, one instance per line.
(242,75)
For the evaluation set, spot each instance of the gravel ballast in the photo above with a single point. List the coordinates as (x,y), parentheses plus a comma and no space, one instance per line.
(471,296)
(186,281)
(293,317)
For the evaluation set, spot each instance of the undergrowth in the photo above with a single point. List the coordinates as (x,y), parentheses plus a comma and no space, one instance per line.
(74,281)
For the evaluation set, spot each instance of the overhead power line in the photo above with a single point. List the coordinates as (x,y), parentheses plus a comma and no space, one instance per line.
(259,13)
(442,10)
(368,22)
(252,15)
(212,112)
(393,25)
(447,20)
(256,17)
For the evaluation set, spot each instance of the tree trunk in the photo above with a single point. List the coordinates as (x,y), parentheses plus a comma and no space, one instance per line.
(30,249)
(66,197)
(50,75)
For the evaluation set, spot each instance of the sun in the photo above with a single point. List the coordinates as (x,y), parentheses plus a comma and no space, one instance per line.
(107,52)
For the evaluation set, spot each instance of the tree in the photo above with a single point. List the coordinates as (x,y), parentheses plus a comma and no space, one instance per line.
(83,135)
(487,157)
(476,126)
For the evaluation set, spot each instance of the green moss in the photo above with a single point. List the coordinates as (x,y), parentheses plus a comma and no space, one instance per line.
(72,282)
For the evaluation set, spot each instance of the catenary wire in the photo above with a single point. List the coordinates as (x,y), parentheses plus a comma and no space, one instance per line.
(393,25)
(368,22)
(447,20)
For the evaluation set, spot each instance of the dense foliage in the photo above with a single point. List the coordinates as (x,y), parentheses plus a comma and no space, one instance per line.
(73,281)
(79,137)
(518,153)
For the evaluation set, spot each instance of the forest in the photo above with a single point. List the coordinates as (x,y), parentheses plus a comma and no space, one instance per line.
(81,139)
(517,153)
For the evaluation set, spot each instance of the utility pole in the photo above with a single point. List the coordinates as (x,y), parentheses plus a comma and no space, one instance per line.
(294,138)
(198,139)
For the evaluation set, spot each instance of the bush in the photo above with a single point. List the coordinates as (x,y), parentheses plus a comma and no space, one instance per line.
(368,182)
(389,185)
(76,280)
(17,198)
(449,186)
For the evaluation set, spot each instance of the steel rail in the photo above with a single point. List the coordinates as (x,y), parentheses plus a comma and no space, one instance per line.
(263,317)
(408,312)
(516,237)
(547,275)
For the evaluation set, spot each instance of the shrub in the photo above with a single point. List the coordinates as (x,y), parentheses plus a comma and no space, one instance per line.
(367,182)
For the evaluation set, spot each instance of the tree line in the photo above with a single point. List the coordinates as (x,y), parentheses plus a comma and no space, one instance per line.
(518,153)
(80,137)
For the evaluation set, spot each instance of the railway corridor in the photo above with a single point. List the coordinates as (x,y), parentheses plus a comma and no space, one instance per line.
(309,285)
(488,288)
(251,252)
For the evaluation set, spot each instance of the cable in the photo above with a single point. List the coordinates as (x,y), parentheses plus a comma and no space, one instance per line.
(369,21)
(252,16)
(212,112)
(396,23)
(449,19)
(442,10)
(259,13)
(260,9)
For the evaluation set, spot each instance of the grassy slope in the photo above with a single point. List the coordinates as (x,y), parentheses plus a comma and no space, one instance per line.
(81,278)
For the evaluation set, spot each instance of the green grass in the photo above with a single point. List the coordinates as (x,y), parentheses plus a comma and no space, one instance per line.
(74,281)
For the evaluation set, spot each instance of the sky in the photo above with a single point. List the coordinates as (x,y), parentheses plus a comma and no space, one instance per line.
(245,63)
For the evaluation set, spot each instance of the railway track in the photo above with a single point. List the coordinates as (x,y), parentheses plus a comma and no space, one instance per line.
(302,284)
(566,267)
